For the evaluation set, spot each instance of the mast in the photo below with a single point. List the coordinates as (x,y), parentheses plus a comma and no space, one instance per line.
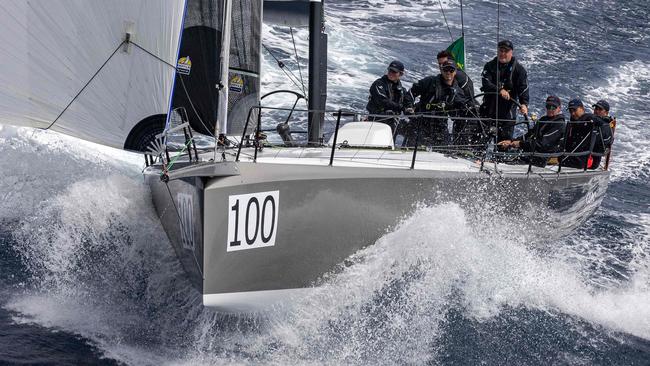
(222,114)
(462,33)
(462,21)
(496,99)
(317,80)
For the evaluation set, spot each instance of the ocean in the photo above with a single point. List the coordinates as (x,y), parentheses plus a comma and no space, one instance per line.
(89,277)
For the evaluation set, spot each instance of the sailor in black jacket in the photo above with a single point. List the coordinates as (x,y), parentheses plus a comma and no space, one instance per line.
(439,95)
(579,135)
(603,124)
(462,78)
(440,91)
(546,137)
(388,96)
(506,78)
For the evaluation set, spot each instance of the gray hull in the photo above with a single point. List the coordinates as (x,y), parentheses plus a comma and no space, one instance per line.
(325,214)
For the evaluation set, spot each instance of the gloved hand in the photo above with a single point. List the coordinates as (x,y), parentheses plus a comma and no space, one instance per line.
(409,111)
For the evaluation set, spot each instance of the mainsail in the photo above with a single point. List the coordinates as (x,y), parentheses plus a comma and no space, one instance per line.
(245,62)
(196,88)
(93,69)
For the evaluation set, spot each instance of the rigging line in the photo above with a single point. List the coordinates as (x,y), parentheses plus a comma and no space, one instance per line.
(100,69)
(194,108)
(153,55)
(281,65)
(85,85)
(295,51)
(445,17)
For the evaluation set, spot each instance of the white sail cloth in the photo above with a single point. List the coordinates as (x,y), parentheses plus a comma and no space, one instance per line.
(51,49)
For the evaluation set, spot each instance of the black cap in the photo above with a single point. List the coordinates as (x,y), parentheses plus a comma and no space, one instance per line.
(449,64)
(554,101)
(396,66)
(602,104)
(506,44)
(575,103)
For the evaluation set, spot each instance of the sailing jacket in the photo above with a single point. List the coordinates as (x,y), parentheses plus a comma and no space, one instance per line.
(603,138)
(511,77)
(580,138)
(546,137)
(604,135)
(465,83)
(387,96)
(433,92)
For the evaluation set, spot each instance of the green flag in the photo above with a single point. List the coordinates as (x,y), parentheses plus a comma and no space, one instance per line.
(457,49)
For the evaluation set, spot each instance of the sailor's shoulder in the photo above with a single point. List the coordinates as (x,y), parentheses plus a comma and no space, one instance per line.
(518,67)
(381,80)
(424,82)
(461,76)
(492,64)
(379,83)
(558,118)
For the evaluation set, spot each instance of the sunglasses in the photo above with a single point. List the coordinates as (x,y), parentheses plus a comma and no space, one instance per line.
(448,69)
(597,108)
(551,107)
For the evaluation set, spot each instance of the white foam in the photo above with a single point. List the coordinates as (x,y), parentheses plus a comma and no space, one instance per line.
(105,270)
(37,164)
(489,273)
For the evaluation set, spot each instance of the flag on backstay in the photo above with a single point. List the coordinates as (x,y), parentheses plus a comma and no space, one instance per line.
(457,49)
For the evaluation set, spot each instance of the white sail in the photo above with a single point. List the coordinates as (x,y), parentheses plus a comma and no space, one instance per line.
(59,68)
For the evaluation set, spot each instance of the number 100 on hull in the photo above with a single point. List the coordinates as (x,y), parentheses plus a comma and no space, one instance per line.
(252,220)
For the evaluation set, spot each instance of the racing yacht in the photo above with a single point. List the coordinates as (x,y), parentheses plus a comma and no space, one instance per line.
(252,223)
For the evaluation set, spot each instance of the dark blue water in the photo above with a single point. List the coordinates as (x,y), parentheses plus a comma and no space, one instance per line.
(88,277)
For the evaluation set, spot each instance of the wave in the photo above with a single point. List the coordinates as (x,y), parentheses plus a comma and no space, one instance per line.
(102,267)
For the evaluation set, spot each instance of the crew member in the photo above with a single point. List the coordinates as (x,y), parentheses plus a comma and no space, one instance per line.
(462,78)
(578,136)
(439,95)
(504,80)
(389,97)
(603,127)
(546,137)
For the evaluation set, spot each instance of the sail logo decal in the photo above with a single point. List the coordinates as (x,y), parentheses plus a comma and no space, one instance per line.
(236,84)
(185,206)
(184,65)
(252,220)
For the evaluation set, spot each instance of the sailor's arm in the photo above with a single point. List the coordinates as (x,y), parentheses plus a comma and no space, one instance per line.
(408,102)
(465,83)
(487,85)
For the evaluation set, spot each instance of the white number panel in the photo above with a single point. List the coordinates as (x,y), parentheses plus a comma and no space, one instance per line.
(252,220)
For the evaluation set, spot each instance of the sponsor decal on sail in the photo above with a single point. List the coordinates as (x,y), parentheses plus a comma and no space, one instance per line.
(184,65)
(236,84)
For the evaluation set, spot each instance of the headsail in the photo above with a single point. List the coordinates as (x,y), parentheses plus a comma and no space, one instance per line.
(197,84)
(92,69)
